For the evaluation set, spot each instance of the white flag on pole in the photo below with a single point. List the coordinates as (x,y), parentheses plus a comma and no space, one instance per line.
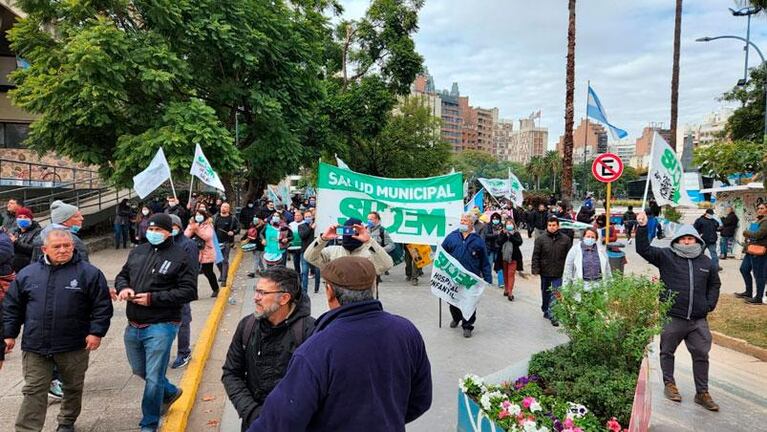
(340,163)
(153,176)
(667,176)
(202,170)
(515,189)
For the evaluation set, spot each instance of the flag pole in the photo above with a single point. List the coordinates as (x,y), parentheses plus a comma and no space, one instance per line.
(173,188)
(649,167)
(440,312)
(191,185)
(586,143)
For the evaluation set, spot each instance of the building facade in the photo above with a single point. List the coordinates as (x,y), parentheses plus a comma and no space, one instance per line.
(587,139)
(527,141)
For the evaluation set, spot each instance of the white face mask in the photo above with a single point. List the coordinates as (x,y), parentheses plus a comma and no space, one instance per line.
(199,218)
(588,241)
(145,212)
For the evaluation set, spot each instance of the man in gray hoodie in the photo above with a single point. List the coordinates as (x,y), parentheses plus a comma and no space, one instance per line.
(687,273)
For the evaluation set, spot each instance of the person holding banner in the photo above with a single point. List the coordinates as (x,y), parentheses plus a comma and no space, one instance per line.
(200,229)
(510,256)
(469,249)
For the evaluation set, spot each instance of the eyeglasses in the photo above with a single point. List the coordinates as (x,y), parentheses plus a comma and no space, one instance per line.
(261,293)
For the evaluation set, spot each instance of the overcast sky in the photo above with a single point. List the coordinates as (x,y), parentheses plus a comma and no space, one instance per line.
(510,54)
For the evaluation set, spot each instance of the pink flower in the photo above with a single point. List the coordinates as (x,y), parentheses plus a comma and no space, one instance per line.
(613,425)
(527,401)
(569,423)
(577,429)
(503,414)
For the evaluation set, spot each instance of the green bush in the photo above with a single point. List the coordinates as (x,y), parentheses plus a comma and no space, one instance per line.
(609,327)
(671,214)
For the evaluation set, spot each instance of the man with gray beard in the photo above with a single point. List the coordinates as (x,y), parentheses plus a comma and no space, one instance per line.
(265,340)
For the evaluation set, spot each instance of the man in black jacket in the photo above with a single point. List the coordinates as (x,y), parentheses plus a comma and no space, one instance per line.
(727,232)
(707,227)
(688,275)
(64,290)
(227,226)
(539,220)
(264,341)
(157,280)
(549,255)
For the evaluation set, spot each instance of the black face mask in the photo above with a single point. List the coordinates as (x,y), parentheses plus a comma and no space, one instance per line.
(348,242)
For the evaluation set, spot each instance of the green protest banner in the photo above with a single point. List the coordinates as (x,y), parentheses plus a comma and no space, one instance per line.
(421,211)
(451,282)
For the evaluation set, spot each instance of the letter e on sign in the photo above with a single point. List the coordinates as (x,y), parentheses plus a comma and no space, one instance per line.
(607,167)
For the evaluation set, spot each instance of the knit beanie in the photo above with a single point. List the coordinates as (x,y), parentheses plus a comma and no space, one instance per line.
(61,211)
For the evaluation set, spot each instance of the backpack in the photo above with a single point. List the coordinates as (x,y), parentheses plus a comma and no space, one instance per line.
(297,329)
(398,253)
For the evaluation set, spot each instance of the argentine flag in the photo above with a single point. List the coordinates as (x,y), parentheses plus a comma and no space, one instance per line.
(596,111)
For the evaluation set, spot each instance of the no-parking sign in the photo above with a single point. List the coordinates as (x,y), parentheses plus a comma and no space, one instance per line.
(607,167)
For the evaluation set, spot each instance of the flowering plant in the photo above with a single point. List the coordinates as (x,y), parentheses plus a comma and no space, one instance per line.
(522,406)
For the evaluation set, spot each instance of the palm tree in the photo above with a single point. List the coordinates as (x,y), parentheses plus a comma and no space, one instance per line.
(536,168)
(553,164)
(567,163)
(675,73)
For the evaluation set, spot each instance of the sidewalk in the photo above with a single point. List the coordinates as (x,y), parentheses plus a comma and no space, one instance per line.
(112,397)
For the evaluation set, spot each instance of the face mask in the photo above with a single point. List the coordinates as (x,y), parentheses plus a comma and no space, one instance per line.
(172,204)
(145,212)
(510,228)
(155,237)
(74,229)
(708,216)
(463,228)
(371,224)
(496,222)
(255,220)
(199,218)
(309,220)
(687,251)
(589,241)
(250,205)
(175,232)
(275,220)
(23,223)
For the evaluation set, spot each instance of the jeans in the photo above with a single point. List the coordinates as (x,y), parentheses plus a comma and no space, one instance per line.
(185,331)
(122,235)
(223,266)
(549,286)
(258,261)
(458,317)
(697,337)
(758,266)
(714,257)
(38,371)
(725,245)
(296,256)
(492,256)
(305,268)
(148,351)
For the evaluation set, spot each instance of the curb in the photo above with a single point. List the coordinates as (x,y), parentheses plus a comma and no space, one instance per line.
(178,414)
(739,345)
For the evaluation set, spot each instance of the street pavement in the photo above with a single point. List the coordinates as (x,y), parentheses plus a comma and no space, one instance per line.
(506,332)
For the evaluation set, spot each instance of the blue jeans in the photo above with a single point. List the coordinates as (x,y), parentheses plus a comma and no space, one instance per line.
(122,235)
(185,331)
(725,243)
(714,257)
(148,351)
(758,266)
(492,256)
(549,286)
(305,267)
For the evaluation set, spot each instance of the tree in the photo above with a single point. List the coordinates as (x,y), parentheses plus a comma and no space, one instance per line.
(553,162)
(410,145)
(474,164)
(113,80)
(536,169)
(722,159)
(567,162)
(675,73)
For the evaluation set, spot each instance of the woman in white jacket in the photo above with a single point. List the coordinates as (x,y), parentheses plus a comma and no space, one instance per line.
(586,261)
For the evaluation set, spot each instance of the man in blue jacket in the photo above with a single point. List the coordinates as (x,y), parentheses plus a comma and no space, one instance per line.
(469,249)
(688,276)
(64,305)
(362,369)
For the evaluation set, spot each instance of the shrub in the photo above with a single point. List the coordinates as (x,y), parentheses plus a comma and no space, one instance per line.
(671,214)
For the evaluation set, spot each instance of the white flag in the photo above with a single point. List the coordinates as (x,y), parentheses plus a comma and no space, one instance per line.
(515,190)
(667,176)
(202,170)
(153,176)
(340,163)
(451,282)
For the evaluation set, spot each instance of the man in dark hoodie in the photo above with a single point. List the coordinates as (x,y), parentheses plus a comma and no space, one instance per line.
(265,341)
(688,275)
(363,369)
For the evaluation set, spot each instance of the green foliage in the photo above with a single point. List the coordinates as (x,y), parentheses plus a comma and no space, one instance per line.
(582,171)
(672,214)
(477,163)
(747,122)
(723,159)
(609,327)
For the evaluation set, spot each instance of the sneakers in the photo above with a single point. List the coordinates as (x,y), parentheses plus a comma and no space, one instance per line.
(554,322)
(453,324)
(181,361)
(743,295)
(414,281)
(55,391)
(704,400)
(467,333)
(672,393)
(510,297)
(166,404)
(65,428)
(755,301)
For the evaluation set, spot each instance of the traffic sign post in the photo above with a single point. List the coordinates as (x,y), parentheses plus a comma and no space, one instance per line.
(607,168)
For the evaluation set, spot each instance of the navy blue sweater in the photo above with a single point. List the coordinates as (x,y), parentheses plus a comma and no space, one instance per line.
(362,369)
(470,252)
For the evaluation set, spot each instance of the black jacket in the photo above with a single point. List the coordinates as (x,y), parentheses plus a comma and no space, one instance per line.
(246,215)
(306,232)
(223,224)
(25,246)
(492,237)
(181,212)
(165,272)
(59,306)
(692,301)
(550,253)
(707,229)
(729,225)
(516,240)
(539,219)
(252,371)
(6,254)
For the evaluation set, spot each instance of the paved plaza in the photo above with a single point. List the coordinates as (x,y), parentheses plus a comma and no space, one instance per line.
(506,332)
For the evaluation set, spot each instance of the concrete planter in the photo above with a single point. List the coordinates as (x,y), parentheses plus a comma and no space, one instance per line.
(472,419)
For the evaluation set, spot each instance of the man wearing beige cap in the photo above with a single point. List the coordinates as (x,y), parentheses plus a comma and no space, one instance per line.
(362,369)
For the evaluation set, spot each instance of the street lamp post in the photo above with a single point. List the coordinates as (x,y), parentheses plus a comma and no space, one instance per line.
(747,12)
(764,66)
